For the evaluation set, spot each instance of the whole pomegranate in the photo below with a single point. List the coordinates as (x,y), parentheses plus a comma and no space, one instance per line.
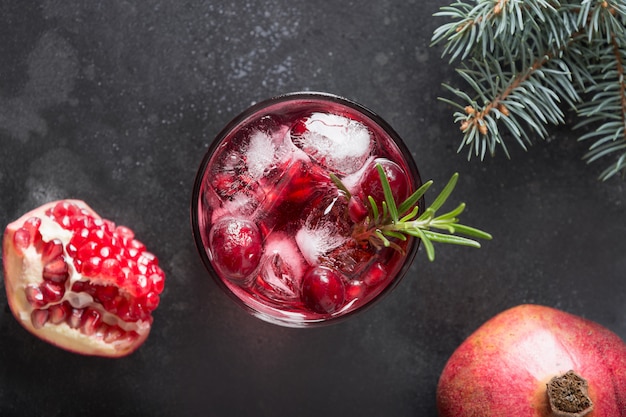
(79,281)
(535,361)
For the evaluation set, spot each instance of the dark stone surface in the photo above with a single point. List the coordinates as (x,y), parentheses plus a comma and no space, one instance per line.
(115,101)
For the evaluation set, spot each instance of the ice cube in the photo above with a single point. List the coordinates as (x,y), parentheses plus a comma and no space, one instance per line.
(282,267)
(286,193)
(227,175)
(317,240)
(253,163)
(240,205)
(261,154)
(340,144)
(267,151)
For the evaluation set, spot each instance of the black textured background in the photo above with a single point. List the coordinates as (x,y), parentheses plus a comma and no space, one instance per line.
(115,101)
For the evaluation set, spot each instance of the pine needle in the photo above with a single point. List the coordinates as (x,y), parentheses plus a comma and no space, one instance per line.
(525,63)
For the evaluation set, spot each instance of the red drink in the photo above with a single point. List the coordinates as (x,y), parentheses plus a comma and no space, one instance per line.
(277,232)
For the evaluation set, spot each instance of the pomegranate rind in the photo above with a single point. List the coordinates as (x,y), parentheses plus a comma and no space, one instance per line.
(16,275)
(503,367)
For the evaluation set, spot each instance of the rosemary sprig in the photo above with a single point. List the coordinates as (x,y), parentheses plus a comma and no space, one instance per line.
(388,221)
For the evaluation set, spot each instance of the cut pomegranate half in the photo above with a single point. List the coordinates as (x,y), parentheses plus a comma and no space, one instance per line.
(80,282)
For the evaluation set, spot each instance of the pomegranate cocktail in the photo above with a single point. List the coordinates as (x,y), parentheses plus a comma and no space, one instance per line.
(294,208)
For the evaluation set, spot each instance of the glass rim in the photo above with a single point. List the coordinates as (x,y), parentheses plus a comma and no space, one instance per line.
(234,123)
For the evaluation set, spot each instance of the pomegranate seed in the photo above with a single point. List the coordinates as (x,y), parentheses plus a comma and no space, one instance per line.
(56,270)
(80,286)
(80,237)
(158,282)
(21,239)
(124,277)
(105,293)
(137,245)
(125,232)
(91,288)
(111,305)
(132,253)
(129,337)
(123,309)
(109,226)
(137,311)
(27,234)
(51,250)
(71,250)
(65,221)
(112,334)
(142,285)
(90,321)
(116,242)
(134,311)
(91,267)
(75,317)
(97,235)
(32,226)
(82,222)
(151,300)
(376,275)
(87,250)
(59,312)
(39,318)
(111,268)
(355,289)
(142,269)
(52,292)
(102,329)
(147,258)
(105,252)
(60,210)
(34,296)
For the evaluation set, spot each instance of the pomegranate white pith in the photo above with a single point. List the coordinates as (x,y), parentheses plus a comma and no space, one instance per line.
(79,281)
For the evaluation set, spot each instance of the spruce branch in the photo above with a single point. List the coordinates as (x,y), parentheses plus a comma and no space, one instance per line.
(526,62)
(610,115)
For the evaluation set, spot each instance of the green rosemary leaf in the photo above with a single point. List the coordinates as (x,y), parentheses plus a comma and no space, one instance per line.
(411,215)
(451,215)
(412,200)
(442,197)
(428,245)
(382,238)
(393,233)
(450,239)
(340,185)
(374,206)
(385,210)
(389,199)
(471,232)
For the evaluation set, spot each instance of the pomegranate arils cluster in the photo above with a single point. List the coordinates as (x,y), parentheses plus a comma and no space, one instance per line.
(82,272)
(112,258)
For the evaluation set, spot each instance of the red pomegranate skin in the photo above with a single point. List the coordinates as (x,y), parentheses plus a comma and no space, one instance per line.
(502,369)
